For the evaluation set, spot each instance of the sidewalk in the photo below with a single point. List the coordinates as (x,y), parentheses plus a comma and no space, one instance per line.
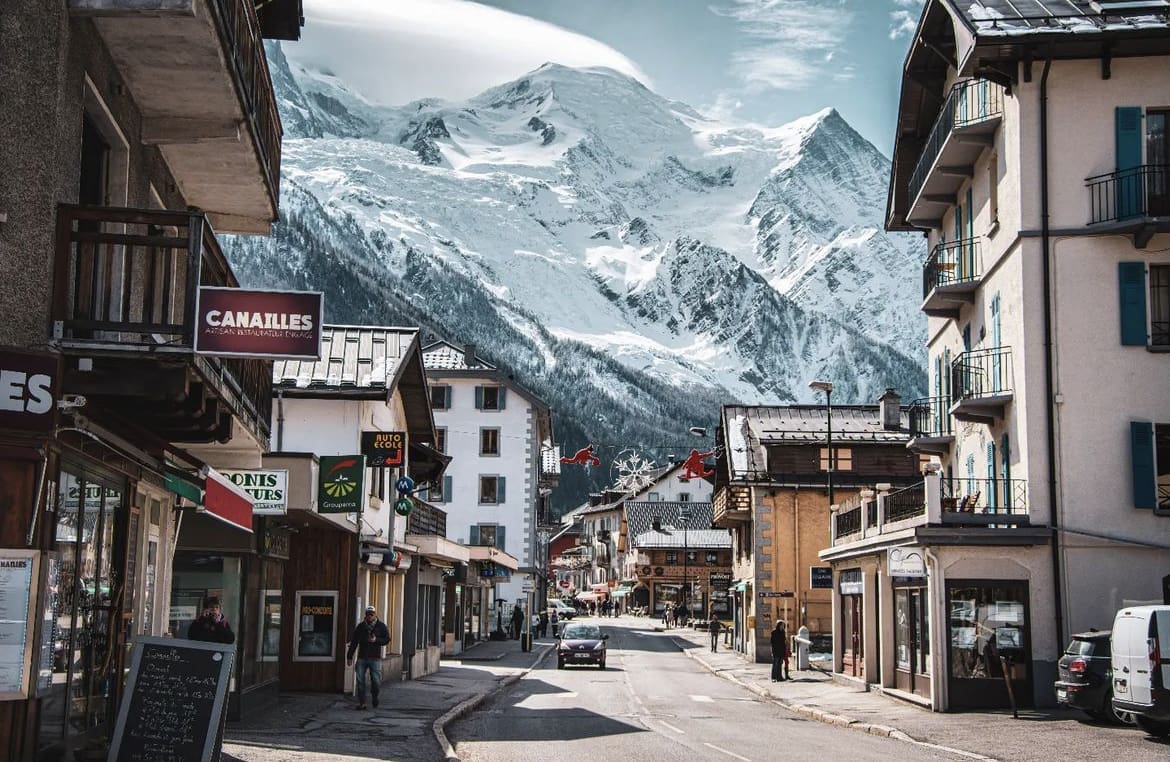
(1037,734)
(315,726)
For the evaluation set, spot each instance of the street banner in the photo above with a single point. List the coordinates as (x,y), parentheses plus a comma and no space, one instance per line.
(384,449)
(339,485)
(277,325)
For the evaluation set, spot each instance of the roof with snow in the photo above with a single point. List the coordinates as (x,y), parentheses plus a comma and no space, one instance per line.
(1011,17)
(443,355)
(640,517)
(696,539)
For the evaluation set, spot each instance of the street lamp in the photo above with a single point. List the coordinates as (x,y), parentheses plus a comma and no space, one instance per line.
(684,516)
(827,388)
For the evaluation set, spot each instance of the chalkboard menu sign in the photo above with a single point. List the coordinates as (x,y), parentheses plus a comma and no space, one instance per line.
(175,700)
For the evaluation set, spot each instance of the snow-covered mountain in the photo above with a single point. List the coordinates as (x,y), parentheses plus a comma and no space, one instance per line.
(574,216)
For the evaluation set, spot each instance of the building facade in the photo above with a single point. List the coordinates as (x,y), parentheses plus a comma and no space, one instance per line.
(1035,163)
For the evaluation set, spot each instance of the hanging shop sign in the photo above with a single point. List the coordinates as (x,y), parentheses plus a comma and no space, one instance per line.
(28,389)
(316,625)
(278,325)
(820,577)
(339,484)
(268,489)
(905,562)
(384,449)
(777,594)
(18,571)
(223,500)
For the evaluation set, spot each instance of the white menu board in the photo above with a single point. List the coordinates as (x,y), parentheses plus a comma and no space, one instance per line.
(17,569)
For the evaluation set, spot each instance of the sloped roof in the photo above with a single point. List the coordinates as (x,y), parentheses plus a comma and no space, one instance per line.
(640,515)
(696,539)
(443,355)
(1064,17)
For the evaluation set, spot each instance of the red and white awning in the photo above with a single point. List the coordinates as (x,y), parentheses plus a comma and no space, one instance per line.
(225,501)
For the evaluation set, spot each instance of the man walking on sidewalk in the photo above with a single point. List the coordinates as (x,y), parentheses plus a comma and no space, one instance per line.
(714,626)
(367,640)
(780,653)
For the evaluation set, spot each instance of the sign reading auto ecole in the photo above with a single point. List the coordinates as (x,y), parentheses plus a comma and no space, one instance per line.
(278,325)
(384,448)
(339,484)
(268,489)
(29,384)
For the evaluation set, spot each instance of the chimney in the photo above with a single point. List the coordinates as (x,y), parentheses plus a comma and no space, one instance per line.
(656,524)
(890,404)
(596,498)
(469,355)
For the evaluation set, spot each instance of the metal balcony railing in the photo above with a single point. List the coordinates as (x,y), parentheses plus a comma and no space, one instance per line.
(906,503)
(982,373)
(244,49)
(952,263)
(129,278)
(1142,191)
(985,496)
(848,522)
(427,519)
(929,417)
(970,102)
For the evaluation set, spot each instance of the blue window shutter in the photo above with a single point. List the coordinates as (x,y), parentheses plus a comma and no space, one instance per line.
(992,491)
(447,480)
(500,489)
(503,396)
(1005,470)
(447,397)
(473,538)
(479,398)
(1128,142)
(970,215)
(1131,277)
(1141,438)
(500,536)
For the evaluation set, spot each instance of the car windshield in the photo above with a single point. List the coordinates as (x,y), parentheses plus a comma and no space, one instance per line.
(582,632)
(1080,647)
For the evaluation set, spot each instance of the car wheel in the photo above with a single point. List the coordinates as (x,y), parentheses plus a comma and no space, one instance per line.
(1158,728)
(1112,714)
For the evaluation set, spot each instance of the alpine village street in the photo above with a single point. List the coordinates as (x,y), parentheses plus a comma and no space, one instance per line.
(546,417)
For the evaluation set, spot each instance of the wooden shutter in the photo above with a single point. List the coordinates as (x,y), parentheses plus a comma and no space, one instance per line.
(1131,278)
(447,397)
(503,397)
(447,480)
(479,398)
(500,535)
(1141,439)
(500,489)
(473,538)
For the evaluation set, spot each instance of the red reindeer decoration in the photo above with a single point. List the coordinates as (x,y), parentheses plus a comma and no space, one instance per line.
(583,457)
(694,468)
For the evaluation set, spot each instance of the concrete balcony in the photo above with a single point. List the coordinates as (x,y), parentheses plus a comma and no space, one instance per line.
(196,69)
(981,384)
(731,505)
(950,276)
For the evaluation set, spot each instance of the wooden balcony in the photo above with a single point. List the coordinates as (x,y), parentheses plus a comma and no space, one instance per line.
(731,505)
(950,276)
(124,299)
(931,431)
(981,384)
(426,519)
(965,125)
(196,69)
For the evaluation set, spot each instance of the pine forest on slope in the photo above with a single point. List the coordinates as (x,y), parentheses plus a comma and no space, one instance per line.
(631,261)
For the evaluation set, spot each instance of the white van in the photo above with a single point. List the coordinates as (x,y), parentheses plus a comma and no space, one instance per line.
(1141,666)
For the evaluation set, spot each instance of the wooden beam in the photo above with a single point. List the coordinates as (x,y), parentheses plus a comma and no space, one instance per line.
(161,131)
(132,7)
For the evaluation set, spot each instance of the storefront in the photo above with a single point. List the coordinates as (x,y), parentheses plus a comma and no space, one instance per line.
(912,671)
(851,619)
(988,633)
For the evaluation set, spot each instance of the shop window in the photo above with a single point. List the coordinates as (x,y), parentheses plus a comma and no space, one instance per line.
(842,459)
(988,634)
(315,635)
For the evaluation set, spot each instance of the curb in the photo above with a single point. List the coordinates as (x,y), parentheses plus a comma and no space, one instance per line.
(439,726)
(820,715)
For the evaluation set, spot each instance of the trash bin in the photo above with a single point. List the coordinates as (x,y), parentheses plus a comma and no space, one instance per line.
(526,642)
(802,648)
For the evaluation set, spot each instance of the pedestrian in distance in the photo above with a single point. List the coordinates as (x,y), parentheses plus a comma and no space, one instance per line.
(780,654)
(668,617)
(542,628)
(367,640)
(517,621)
(211,626)
(714,626)
(554,620)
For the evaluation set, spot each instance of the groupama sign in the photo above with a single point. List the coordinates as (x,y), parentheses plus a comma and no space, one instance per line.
(277,325)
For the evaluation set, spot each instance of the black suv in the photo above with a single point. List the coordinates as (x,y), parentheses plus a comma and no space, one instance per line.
(1086,677)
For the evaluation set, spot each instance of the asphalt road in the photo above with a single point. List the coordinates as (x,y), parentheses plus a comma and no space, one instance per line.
(652,703)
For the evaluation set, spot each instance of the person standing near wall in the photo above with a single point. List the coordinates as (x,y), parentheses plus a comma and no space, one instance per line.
(780,653)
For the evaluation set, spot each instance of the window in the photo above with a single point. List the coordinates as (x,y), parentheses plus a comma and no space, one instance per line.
(993,188)
(684,497)
(438,492)
(654,497)
(671,559)
(377,479)
(842,457)
(440,398)
(490,397)
(489,441)
(1160,305)
(1150,460)
(692,556)
(712,558)
(489,535)
(491,490)
(1139,289)
(441,440)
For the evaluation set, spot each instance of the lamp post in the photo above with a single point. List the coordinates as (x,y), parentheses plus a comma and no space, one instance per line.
(827,388)
(684,516)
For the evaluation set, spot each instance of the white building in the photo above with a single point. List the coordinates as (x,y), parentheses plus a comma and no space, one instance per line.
(496,489)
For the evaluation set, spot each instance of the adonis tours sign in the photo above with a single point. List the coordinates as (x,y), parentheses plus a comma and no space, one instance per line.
(280,325)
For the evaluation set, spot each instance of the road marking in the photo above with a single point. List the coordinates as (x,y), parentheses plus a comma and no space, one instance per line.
(672,727)
(725,751)
(703,699)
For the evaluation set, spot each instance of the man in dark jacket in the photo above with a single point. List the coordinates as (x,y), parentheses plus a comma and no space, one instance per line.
(517,621)
(211,626)
(714,626)
(367,640)
(780,653)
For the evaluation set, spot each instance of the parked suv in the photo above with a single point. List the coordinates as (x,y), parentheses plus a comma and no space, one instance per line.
(1141,666)
(1086,677)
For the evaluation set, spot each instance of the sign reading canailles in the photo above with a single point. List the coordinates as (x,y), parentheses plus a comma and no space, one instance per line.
(28,389)
(278,325)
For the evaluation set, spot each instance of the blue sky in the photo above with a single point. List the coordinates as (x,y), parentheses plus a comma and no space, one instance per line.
(757,61)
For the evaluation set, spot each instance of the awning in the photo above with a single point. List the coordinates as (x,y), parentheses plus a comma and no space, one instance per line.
(498,557)
(620,593)
(225,501)
(185,485)
(440,548)
(586,597)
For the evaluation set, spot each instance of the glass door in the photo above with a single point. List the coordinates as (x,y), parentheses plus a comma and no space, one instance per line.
(1158,162)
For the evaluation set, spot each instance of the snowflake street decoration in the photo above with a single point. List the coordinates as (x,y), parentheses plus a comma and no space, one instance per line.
(634,472)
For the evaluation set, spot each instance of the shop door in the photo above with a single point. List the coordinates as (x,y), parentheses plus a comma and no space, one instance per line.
(912,641)
(853,658)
